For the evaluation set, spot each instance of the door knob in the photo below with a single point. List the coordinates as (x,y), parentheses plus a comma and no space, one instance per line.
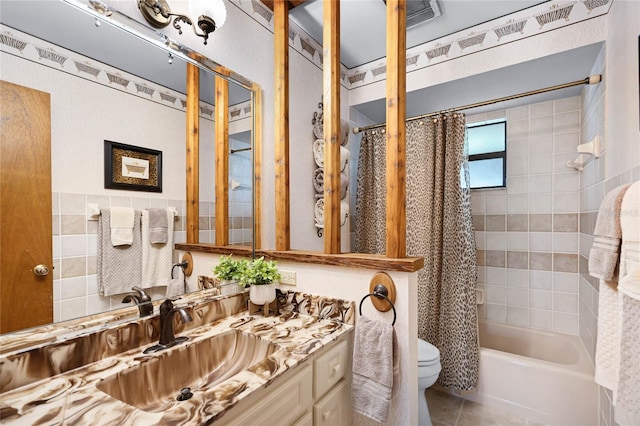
(41,270)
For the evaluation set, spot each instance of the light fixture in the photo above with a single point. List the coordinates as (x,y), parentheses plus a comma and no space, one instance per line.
(211,15)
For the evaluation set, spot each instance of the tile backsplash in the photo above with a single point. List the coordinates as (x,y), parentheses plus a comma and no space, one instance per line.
(527,233)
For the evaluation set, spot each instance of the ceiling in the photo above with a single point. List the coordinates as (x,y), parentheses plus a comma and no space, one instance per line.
(363,23)
(71,28)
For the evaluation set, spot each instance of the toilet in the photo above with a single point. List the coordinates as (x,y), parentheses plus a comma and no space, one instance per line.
(428,371)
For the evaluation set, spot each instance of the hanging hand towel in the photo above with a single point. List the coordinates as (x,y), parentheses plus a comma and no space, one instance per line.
(121,226)
(119,267)
(158,220)
(605,252)
(175,287)
(373,369)
(157,259)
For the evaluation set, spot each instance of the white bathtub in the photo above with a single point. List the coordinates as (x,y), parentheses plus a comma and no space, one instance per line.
(543,376)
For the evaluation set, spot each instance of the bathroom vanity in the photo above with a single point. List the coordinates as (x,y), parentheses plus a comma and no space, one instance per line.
(235,368)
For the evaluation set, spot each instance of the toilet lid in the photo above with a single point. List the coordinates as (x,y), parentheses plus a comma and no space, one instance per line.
(427,352)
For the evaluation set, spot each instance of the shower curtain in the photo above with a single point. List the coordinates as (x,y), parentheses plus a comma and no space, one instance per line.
(439,228)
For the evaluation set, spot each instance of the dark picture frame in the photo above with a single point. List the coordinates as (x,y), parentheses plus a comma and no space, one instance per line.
(132,167)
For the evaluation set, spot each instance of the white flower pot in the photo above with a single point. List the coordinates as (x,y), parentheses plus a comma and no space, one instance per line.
(262,294)
(228,287)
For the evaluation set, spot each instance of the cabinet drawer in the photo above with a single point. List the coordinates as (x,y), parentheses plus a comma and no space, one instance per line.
(329,368)
(335,408)
(281,405)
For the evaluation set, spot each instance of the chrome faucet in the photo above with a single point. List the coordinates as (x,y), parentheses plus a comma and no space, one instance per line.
(140,298)
(167,333)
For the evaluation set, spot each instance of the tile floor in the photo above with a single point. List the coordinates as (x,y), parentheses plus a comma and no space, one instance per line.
(450,410)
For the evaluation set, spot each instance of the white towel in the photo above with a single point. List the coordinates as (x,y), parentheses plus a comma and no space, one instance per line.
(318,154)
(373,368)
(627,397)
(630,225)
(122,226)
(157,259)
(119,267)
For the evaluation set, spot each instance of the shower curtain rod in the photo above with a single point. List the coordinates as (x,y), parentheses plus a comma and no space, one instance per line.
(233,151)
(594,79)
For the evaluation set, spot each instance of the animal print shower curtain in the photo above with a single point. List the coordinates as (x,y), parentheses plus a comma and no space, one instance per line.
(439,228)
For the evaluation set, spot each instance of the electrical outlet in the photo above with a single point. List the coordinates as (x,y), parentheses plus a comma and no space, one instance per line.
(287,277)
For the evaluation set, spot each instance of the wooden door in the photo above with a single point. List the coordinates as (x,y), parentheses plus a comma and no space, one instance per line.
(26,299)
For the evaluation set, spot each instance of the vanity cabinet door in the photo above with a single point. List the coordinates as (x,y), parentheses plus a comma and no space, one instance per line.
(280,404)
(335,408)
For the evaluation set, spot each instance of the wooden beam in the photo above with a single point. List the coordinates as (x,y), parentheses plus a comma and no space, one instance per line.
(331,106)
(396,138)
(281,113)
(256,93)
(291,3)
(193,145)
(222,160)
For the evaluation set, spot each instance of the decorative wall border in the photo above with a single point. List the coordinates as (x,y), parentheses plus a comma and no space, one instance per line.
(36,50)
(299,39)
(520,25)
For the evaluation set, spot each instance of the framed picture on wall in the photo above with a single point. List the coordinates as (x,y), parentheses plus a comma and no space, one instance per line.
(132,168)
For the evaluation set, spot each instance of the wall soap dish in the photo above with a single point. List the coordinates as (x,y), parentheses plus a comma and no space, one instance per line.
(586,152)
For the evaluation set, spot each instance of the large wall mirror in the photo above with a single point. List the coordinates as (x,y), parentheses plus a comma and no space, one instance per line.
(112,78)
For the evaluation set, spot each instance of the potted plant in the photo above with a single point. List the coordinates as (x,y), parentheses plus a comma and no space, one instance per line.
(262,276)
(229,271)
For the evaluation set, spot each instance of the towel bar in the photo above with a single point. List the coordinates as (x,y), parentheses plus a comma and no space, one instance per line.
(93,211)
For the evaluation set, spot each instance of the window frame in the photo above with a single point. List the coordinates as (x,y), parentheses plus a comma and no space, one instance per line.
(491,155)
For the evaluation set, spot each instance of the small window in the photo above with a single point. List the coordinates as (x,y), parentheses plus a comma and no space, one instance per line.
(487,154)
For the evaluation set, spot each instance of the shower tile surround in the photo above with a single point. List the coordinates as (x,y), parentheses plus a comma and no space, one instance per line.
(527,234)
(75,242)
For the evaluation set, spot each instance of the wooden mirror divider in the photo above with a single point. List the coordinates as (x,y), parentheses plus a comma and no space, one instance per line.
(396,107)
(395,257)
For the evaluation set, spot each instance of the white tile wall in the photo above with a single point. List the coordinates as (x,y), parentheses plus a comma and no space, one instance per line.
(541,138)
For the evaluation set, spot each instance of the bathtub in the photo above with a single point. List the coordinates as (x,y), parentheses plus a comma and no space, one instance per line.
(543,376)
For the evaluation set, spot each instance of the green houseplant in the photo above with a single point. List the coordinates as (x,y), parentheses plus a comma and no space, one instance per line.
(262,276)
(229,271)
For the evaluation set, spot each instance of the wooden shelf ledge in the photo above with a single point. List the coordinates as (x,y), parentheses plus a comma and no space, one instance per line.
(354,260)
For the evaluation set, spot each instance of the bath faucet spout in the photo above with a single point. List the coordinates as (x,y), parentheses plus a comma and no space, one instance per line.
(167,333)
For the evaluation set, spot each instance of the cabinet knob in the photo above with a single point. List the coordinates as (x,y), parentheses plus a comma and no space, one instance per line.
(335,369)
(326,414)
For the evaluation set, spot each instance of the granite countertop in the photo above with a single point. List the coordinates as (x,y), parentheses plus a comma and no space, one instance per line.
(73,398)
